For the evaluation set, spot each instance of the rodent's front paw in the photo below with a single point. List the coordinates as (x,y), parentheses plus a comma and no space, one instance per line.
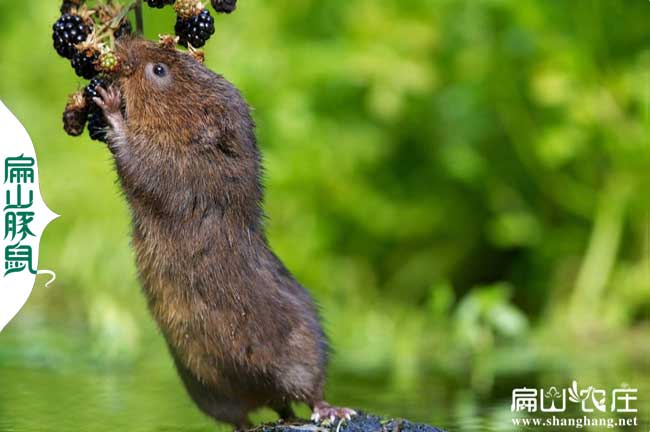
(110,103)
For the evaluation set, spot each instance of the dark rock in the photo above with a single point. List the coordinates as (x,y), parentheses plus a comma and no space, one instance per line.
(359,423)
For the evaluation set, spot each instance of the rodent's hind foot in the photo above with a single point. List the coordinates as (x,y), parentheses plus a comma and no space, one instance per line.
(110,103)
(323,410)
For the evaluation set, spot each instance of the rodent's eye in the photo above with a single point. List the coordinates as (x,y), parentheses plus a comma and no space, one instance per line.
(160,70)
(159,74)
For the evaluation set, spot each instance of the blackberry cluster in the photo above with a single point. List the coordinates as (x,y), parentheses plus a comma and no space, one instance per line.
(159,3)
(224,6)
(68,31)
(90,91)
(96,121)
(84,62)
(82,108)
(195,30)
(97,125)
(124,29)
(85,34)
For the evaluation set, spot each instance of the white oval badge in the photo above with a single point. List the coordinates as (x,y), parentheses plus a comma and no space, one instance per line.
(24,217)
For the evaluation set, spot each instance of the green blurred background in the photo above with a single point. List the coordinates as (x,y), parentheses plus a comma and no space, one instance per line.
(462,185)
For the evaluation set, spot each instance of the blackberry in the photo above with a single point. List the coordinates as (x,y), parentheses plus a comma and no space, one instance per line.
(195,30)
(97,125)
(68,31)
(159,3)
(83,62)
(75,114)
(68,5)
(91,92)
(224,6)
(124,29)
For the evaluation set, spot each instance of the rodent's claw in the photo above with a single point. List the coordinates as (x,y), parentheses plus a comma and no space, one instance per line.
(110,103)
(110,100)
(323,410)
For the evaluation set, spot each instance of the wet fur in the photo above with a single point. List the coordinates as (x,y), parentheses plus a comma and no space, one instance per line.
(242,331)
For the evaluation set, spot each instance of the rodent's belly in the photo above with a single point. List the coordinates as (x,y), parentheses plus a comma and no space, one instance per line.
(241,346)
(190,338)
(180,315)
(211,344)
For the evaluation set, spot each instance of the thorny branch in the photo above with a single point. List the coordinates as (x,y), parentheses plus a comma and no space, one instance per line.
(139,25)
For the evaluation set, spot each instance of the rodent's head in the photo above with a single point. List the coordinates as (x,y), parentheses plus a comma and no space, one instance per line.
(172,93)
(188,121)
(153,72)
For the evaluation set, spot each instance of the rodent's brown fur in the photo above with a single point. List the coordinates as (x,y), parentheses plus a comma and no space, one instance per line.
(242,331)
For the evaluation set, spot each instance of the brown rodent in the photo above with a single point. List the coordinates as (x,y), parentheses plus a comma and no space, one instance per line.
(242,331)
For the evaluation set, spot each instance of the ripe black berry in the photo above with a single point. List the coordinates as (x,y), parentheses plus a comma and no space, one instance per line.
(97,125)
(68,31)
(159,3)
(124,29)
(84,61)
(91,92)
(224,6)
(195,30)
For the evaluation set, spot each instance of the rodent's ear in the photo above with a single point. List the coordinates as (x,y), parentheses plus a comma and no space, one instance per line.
(227,148)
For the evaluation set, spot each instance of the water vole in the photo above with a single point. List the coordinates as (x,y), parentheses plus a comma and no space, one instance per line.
(242,331)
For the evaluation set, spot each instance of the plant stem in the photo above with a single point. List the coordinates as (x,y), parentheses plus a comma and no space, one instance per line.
(139,25)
